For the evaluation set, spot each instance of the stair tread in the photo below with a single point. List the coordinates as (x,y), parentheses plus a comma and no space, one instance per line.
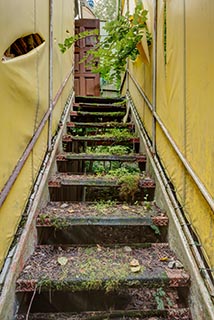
(94,180)
(99,105)
(98,99)
(102,213)
(69,137)
(99,265)
(175,314)
(109,124)
(98,113)
(101,156)
(102,104)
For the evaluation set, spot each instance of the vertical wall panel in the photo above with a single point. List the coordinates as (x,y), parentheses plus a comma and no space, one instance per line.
(24,98)
(185,102)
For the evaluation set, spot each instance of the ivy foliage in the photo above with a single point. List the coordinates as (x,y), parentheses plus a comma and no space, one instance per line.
(109,56)
(68,42)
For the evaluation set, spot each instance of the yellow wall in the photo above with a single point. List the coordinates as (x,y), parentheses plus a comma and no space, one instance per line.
(185,99)
(24,98)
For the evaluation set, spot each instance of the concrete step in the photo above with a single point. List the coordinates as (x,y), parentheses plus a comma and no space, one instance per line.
(95,128)
(103,223)
(88,162)
(78,144)
(105,100)
(94,268)
(168,314)
(87,116)
(96,281)
(130,188)
(96,107)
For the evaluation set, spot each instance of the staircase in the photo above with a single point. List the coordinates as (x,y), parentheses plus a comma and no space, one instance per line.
(102,250)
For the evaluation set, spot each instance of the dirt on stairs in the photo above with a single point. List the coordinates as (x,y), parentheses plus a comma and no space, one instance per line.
(102,248)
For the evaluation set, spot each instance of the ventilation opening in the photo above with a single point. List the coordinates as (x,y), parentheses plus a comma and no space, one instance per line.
(22,46)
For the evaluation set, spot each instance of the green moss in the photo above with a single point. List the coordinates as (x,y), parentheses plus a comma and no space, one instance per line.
(114,150)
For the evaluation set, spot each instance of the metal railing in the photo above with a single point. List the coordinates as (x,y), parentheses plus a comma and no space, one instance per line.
(198,254)
(184,161)
(10,182)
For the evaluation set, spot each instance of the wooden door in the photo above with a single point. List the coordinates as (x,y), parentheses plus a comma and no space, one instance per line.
(85,82)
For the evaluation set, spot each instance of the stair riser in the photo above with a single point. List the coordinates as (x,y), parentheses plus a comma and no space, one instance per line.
(80,146)
(97,118)
(102,234)
(129,300)
(79,193)
(98,108)
(101,125)
(87,166)
(105,100)
(91,131)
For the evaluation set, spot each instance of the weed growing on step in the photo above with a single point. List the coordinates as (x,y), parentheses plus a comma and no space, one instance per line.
(118,134)
(159,298)
(44,283)
(128,187)
(128,181)
(104,167)
(114,150)
(97,268)
(147,205)
(93,269)
(43,218)
(156,229)
(120,103)
(56,222)
(59,224)
(102,205)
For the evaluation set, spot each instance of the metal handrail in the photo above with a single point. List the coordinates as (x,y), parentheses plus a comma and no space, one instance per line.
(8,185)
(208,278)
(184,161)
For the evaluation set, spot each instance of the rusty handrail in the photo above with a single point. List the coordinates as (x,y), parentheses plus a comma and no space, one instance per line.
(8,185)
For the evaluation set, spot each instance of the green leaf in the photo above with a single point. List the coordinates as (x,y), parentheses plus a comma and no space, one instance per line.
(62,261)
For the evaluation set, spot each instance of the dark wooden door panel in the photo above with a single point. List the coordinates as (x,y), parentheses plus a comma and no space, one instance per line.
(86,83)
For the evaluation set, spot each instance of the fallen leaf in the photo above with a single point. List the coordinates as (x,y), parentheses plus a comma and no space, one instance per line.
(127,249)
(64,205)
(125,207)
(99,248)
(70,210)
(134,263)
(135,269)
(62,261)
(164,259)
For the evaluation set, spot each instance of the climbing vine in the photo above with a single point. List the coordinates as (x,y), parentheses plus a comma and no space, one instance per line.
(109,56)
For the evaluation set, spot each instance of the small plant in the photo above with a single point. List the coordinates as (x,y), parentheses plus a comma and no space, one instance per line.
(147,204)
(123,35)
(114,150)
(44,283)
(128,181)
(128,186)
(156,229)
(110,55)
(68,42)
(43,218)
(102,205)
(159,295)
(120,134)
